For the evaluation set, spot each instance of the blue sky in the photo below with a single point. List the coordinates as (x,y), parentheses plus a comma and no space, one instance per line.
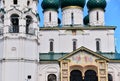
(112,18)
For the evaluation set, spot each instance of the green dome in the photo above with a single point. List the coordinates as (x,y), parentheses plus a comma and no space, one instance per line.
(65,3)
(96,4)
(50,4)
(86,20)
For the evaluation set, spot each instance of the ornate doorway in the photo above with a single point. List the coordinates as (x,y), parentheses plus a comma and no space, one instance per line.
(76,75)
(90,75)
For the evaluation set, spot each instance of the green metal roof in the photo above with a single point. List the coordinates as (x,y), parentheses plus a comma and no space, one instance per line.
(65,3)
(51,56)
(50,4)
(92,4)
(112,56)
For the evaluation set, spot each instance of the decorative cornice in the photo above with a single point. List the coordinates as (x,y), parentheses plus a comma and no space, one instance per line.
(18,60)
(84,49)
(80,28)
(115,61)
(14,8)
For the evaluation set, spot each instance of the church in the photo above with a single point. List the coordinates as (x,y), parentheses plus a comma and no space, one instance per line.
(71,48)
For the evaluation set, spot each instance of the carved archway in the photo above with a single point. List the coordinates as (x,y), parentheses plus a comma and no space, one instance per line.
(76,75)
(90,75)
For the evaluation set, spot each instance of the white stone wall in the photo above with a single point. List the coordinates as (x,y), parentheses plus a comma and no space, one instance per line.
(22,5)
(63,40)
(114,70)
(19,58)
(46,69)
(77,16)
(14,70)
(93,17)
(54,18)
(19,51)
(20,48)
(0,71)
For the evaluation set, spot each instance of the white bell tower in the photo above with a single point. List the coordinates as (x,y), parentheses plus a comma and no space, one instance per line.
(18,40)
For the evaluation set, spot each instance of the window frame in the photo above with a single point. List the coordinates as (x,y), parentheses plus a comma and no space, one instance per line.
(72,18)
(15,26)
(50,17)
(15,2)
(51,43)
(29,20)
(98,44)
(97,16)
(74,44)
(51,77)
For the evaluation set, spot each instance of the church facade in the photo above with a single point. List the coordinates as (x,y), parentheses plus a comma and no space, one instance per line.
(76,48)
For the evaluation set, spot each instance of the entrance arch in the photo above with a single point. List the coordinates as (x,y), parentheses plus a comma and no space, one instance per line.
(76,75)
(90,75)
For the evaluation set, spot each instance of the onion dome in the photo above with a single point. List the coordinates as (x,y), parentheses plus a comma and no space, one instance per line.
(65,3)
(86,20)
(50,4)
(96,4)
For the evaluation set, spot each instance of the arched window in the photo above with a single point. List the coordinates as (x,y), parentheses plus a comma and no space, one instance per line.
(15,1)
(52,77)
(90,75)
(97,16)
(76,75)
(51,45)
(3,1)
(74,44)
(110,78)
(50,16)
(72,18)
(15,23)
(28,22)
(2,18)
(28,2)
(98,45)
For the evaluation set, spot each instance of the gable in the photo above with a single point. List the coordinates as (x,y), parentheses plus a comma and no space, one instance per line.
(83,54)
(82,57)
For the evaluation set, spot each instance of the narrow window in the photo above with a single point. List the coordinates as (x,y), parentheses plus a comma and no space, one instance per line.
(97,16)
(14,1)
(3,2)
(15,23)
(28,22)
(74,44)
(28,2)
(50,16)
(51,45)
(72,18)
(98,45)
(2,18)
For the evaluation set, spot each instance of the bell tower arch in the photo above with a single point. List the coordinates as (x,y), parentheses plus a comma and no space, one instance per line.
(19,40)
